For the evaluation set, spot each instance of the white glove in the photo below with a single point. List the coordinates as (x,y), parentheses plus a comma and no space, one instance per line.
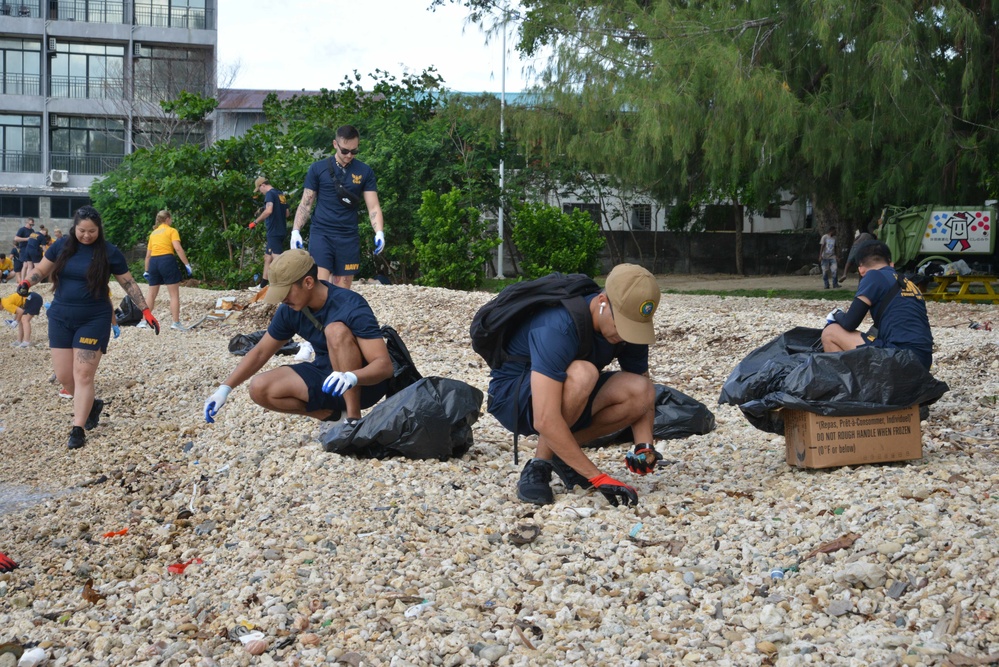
(215,402)
(337,383)
(379,242)
(296,240)
(831,317)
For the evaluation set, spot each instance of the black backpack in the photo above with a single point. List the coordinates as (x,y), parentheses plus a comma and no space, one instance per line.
(404,370)
(496,321)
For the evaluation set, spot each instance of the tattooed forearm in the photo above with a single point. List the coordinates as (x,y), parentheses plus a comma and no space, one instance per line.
(134,293)
(34,278)
(304,208)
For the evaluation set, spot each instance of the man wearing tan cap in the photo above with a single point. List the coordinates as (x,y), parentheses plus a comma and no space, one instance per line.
(276,214)
(352,363)
(567,401)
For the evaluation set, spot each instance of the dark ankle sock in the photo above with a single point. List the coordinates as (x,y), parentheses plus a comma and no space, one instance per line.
(265,282)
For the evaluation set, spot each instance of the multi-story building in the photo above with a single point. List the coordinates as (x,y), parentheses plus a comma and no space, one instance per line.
(80,85)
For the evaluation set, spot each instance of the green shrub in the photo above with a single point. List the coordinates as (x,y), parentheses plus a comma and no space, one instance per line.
(451,242)
(550,240)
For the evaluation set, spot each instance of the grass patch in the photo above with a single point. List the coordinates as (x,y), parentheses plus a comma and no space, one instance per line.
(823,295)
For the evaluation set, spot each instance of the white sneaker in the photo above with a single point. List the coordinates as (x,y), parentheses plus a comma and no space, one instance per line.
(177,326)
(254,289)
(142,325)
(11,323)
(24,344)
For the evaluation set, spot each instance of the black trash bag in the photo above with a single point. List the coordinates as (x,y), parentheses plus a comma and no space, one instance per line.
(678,416)
(127,313)
(240,344)
(430,419)
(792,372)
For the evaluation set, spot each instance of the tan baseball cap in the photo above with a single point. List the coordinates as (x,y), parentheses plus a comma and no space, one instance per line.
(287,269)
(634,297)
(257,183)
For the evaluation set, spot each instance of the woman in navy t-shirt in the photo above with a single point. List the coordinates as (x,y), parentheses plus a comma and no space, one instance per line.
(80,264)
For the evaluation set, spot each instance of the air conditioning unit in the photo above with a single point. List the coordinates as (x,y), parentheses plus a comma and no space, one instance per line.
(58,177)
(52,44)
(136,50)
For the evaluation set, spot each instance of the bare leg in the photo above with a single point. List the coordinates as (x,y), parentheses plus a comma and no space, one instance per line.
(345,355)
(579,383)
(154,290)
(174,292)
(283,390)
(324,274)
(343,281)
(85,364)
(837,339)
(62,364)
(268,258)
(25,328)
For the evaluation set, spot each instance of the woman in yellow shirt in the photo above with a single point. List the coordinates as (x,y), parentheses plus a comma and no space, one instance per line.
(161,265)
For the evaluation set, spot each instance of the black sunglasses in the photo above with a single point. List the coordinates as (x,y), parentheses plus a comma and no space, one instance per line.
(348,151)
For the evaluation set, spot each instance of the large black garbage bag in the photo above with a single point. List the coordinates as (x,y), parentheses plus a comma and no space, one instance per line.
(430,419)
(678,416)
(127,313)
(240,344)
(792,372)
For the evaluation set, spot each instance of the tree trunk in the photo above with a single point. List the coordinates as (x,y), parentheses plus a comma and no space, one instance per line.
(827,216)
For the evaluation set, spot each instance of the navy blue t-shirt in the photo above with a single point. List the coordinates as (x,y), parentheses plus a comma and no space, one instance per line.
(342,305)
(277,225)
(549,337)
(73,290)
(23,232)
(33,248)
(330,214)
(904,323)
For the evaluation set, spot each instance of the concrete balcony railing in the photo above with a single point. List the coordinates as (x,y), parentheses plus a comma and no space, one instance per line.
(191,18)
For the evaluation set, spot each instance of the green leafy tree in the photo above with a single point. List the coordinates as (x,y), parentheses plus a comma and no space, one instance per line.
(452,243)
(853,104)
(550,240)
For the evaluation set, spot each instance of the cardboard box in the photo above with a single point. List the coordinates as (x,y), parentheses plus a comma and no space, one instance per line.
(816,441)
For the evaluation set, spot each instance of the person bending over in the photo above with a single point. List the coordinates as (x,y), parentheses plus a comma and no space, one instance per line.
(896,306)
(567,401)
(352,363)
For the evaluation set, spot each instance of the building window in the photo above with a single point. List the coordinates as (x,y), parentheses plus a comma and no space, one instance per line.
(20,143)
(20,63)
(86,145)
(718,218)
(641,217)
(91,11)
(190,14)
(595,212)
(154,132)
(772,211)
(92,71)
(162,73)
(14,206)
(66,207)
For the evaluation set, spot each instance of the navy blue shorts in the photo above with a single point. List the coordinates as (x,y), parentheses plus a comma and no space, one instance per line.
(35,257)
(18,265)
(79,328)
(33,305)
(163,270)
(314,376)
(502,404)
(274,245)
(341,256)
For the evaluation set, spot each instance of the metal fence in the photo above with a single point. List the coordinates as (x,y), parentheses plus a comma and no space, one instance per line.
(81,87)
(23,161)
(21,84)
(87,10)
(23,9)
(90,164)
(193,18)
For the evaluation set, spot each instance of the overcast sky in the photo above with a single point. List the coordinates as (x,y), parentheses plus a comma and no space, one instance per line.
(312,44)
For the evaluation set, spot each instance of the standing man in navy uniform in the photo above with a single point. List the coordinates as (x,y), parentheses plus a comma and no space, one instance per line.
(276,214)
(336,186)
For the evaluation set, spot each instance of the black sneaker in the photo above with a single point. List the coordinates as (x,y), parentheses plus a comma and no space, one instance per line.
(77,438)
(568,475)
(94,418)
(334,415)
(534,485)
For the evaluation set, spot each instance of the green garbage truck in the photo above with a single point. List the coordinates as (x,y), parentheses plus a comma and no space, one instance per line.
(947,233)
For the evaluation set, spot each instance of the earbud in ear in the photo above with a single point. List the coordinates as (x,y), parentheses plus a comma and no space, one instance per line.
(602,308)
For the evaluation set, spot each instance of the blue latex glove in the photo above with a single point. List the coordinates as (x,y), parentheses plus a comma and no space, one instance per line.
(337,383)
(145,274)
(831,317)
(379,242)
(215,402)
(116,330)
(190,271)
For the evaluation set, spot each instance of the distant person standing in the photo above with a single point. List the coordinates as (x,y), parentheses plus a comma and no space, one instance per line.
(21,240)
(276,214)
(32,251)
(161,265)
(336,186)
(827,258)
